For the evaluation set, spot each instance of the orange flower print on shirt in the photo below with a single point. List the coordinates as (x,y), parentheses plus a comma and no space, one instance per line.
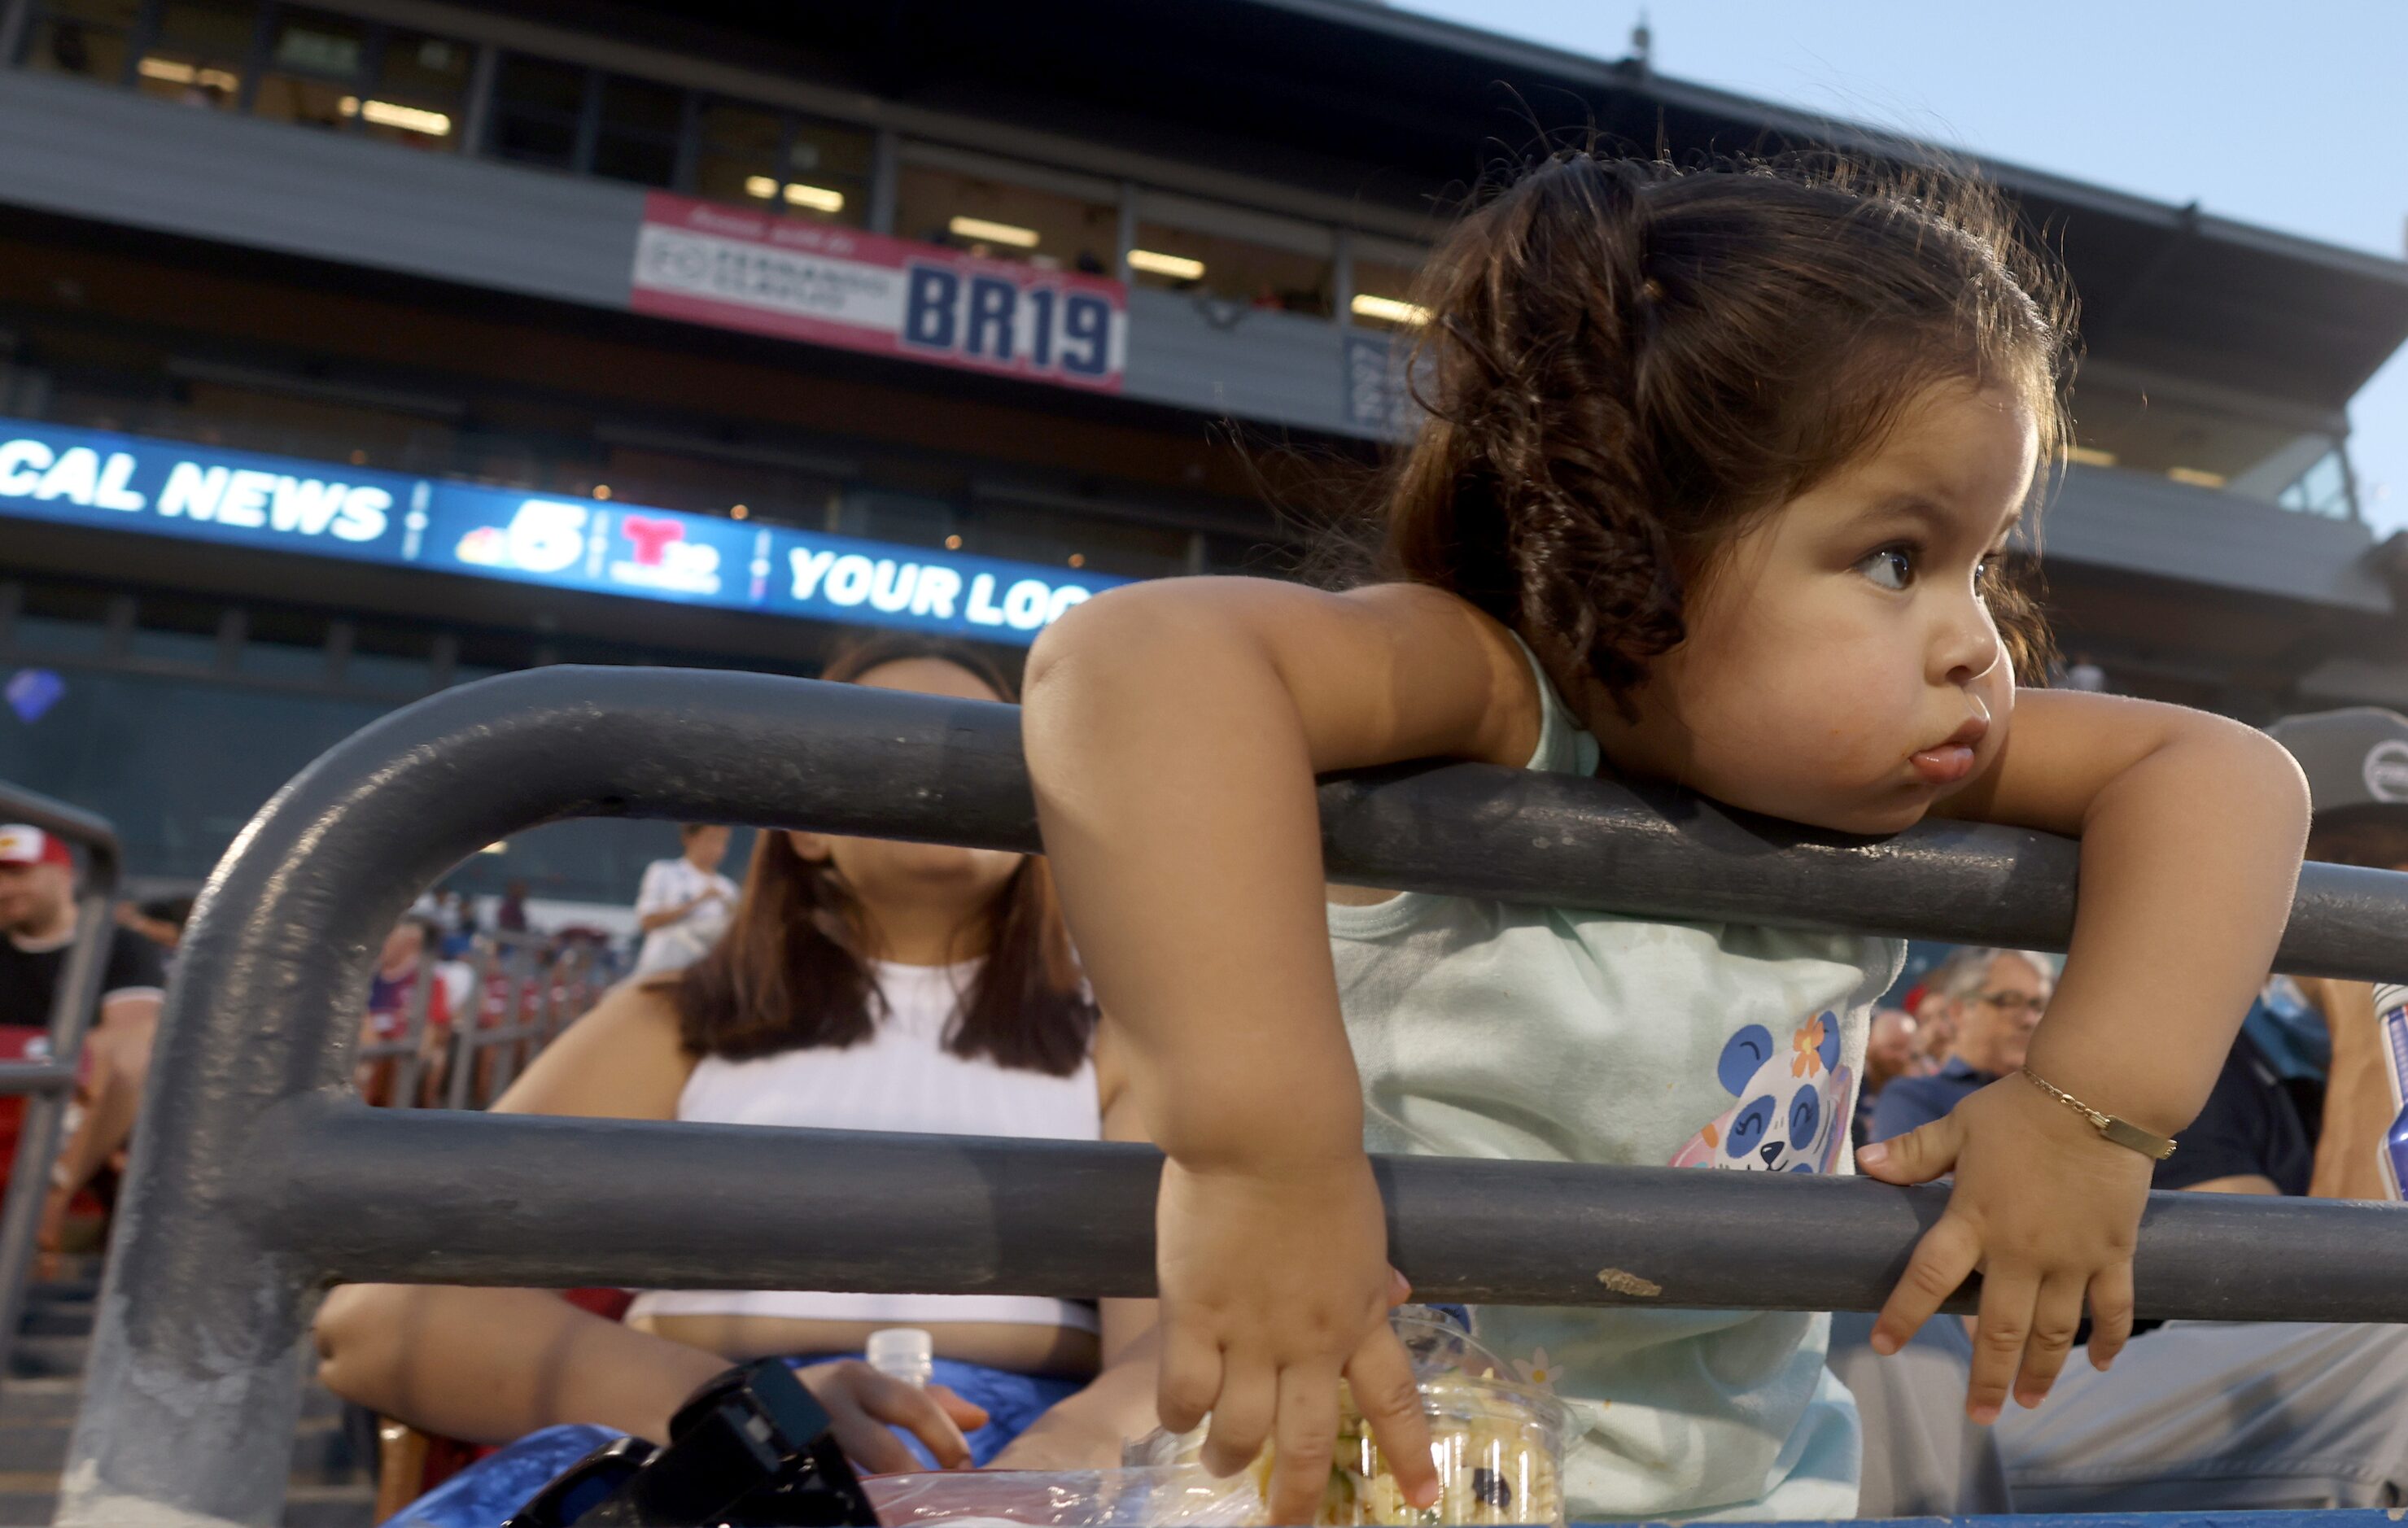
(1807,1046)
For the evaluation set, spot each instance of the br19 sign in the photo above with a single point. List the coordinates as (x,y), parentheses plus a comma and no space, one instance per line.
(735,268)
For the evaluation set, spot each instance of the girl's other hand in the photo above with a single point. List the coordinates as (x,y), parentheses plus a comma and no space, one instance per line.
(1274,1284)
(2046,1209)
(862,1403)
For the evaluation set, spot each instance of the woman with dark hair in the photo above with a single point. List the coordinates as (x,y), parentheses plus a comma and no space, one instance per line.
(862,984)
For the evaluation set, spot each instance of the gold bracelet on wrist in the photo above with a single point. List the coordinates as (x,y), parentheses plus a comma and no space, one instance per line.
(2121,1132)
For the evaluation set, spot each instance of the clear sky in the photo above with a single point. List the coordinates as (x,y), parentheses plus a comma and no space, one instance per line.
(2291,115)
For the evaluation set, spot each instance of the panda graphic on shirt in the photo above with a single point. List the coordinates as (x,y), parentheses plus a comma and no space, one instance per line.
(1789,1103)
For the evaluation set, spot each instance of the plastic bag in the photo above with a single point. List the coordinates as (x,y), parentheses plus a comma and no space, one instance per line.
(1499,1445)
(1170,1496)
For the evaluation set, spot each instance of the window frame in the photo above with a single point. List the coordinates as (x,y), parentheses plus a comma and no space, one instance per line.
(479,123)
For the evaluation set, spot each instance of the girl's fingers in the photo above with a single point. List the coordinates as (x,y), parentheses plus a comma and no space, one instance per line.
(1189,1378)
(1382,1378)
(2111,1313)
(1916,1157)
(1305,1439)
(2005,1326)
(1242,1414)
(1943,1261)
(2056,1315)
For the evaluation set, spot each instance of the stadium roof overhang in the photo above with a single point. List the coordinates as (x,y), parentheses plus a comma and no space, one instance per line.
(1368,101)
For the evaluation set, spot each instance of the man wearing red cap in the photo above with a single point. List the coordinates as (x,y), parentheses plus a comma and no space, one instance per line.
(37,926)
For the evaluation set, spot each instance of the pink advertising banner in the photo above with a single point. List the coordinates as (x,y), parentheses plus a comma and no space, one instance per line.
(707,263)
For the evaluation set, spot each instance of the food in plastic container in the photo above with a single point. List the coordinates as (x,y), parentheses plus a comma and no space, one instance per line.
(1174,1496)
(1499,1445)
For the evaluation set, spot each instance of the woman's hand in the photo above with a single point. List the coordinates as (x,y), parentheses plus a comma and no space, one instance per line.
(1063,1439)
(863,1403)
(50,1232)
(2046,1209)
(1273,1284)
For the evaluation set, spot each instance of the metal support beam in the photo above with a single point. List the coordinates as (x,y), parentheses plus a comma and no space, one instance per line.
(252,1182)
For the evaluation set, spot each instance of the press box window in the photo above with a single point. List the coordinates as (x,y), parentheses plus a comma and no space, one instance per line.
(539,109)
(1066,539)
(87,37)
(1002,220)
(422,88)
(1234,255)
(314,64)
(637,140)
(778,162)
(197,59)
(1384,286)
(2323,488)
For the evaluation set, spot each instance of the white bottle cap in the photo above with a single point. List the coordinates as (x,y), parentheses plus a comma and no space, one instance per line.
(901,1351)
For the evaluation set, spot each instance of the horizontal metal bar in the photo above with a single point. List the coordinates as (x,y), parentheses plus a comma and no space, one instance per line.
(1523,836)
(19,1078)
(52,815)
(383,1194)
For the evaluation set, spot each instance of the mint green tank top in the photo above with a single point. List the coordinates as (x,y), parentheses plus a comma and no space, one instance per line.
(1550,1034)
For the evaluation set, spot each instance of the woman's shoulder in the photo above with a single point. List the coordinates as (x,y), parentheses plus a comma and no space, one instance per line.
(623,1059)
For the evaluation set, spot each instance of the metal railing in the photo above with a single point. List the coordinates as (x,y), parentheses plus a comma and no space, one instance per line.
(522,989)
(258,1179)
(46,1085)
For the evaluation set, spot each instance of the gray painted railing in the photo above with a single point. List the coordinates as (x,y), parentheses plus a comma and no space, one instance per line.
(46,1085)
(257,1180)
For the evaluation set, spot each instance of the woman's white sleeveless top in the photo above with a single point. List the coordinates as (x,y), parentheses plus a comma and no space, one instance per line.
(901,1078)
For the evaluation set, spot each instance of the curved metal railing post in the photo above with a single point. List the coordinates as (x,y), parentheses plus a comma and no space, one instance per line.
(256,1177)
(46,1086)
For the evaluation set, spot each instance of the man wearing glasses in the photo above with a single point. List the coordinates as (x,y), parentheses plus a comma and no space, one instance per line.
(2249,1139)
(1994,1000)
(2174,1427)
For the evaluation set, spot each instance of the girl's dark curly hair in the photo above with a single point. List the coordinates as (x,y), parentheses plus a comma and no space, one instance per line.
(1624,362)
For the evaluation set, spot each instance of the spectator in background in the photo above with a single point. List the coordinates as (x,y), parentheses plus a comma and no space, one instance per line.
(1935,1035)
(38,915)
(2085,675)
(457,928)
(1992,1000)
(1891,1052)
(2194,1415)
(160,920)
(511,916)
(683,903)
(393,991)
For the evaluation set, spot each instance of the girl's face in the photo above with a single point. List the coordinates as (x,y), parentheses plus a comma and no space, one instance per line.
(1841,668)
(886,872)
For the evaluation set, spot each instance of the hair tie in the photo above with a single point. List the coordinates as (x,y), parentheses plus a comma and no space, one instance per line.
(1649,305)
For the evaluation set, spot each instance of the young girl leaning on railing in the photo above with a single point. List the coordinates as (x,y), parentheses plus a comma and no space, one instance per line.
(1716,487)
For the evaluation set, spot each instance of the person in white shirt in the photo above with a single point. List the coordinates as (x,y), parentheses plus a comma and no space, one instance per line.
(863,985)
(682,905)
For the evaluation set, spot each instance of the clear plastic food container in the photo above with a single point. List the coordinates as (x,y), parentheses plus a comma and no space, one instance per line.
(1499,1445)
(1174,1496)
